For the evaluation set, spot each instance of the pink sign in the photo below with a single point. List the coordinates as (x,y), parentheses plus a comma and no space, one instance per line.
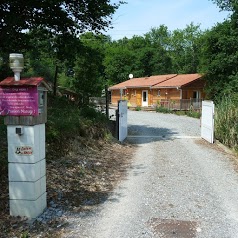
(18,101)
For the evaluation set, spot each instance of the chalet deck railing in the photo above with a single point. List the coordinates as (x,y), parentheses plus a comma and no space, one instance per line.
(182,104)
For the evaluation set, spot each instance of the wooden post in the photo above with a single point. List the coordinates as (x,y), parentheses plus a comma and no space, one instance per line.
(107,101)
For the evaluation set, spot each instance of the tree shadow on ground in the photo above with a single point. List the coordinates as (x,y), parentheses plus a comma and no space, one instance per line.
(143,134)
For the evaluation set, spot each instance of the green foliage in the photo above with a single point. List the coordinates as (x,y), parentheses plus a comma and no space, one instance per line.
(65,120)
(89,77)
(186,44)
(194,114)
(118,62)
(191,113)
(138,108)
(226,117)
(227,5)
(162,109)
(92,114)
(55,17)
(219,60)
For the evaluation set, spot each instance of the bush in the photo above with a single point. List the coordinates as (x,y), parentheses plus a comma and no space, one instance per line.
(194,114)
(162,109)
(66,120)
(226,126)
(138,108)
(92,113)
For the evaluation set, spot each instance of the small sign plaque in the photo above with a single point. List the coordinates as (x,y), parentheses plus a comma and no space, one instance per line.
(24,150)
(18,101)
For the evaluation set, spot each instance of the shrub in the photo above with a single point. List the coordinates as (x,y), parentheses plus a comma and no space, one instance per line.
(194,114)
(162,110)
(138,108)
(226,126)
(65,120)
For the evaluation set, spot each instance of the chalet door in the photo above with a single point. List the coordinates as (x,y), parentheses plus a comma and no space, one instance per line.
(145,98)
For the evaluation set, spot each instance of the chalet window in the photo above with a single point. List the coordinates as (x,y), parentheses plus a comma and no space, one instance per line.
(144,96)
(196,94)
(158,93)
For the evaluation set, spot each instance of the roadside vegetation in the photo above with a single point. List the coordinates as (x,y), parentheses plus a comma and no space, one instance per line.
(190,113)
(226,122)
(84,162)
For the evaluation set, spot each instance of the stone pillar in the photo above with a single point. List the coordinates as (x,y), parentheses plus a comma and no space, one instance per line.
(27,170)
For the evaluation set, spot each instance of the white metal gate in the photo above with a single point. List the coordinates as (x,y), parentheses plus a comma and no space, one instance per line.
(207,123)
(122,120)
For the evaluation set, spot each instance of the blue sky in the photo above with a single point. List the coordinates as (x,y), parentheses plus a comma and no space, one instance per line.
(137,17)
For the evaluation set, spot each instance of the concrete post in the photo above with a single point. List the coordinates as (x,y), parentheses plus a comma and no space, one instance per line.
(27,170)
(24,105)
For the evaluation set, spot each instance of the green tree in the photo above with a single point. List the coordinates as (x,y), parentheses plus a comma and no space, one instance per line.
(23,25)
(159,36)
(184,49)
(57,17)
(228,5)
(219,60)
(89,69)
(118,61)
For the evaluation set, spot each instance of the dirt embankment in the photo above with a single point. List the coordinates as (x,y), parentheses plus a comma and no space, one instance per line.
(78,180)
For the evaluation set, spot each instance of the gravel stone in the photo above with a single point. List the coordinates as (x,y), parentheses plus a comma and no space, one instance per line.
(175,178)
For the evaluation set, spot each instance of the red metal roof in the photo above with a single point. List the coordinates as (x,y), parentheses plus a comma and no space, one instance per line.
(33,81)
(178,81)
(142,82)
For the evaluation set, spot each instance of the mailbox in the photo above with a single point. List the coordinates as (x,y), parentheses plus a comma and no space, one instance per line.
(24,102)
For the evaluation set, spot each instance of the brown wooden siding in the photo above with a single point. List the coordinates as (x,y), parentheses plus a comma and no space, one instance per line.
(134,95)
(168,94)
(115,96)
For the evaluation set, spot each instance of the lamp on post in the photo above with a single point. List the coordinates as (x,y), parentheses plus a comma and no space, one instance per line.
(16,64)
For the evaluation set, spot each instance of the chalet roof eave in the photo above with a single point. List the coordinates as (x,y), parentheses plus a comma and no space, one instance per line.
(157,87)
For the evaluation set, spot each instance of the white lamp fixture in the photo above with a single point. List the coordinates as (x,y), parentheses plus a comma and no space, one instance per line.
(130,76)
(16,64)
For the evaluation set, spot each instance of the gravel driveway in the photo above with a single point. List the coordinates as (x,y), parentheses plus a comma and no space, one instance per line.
(178,186)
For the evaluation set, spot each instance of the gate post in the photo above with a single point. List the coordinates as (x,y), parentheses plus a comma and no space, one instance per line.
(122,120)
(23,103)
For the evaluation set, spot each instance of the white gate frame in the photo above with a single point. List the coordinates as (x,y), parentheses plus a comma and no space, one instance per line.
(122,120)
(207,122)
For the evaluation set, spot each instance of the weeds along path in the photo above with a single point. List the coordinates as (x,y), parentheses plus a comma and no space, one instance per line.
(177,186)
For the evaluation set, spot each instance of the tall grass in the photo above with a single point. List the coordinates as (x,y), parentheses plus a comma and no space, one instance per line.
(226,122)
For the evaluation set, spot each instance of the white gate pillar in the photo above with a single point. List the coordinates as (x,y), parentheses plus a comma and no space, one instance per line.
(23,103)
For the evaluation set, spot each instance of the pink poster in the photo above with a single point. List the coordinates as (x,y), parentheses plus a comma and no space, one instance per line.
(18,101)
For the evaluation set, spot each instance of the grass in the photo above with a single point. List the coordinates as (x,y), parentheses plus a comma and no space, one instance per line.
(226,122)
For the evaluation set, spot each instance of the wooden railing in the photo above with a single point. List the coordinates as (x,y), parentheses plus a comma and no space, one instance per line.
(181,104)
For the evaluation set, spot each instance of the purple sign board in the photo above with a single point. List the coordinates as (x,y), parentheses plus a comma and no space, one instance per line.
(18,101)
